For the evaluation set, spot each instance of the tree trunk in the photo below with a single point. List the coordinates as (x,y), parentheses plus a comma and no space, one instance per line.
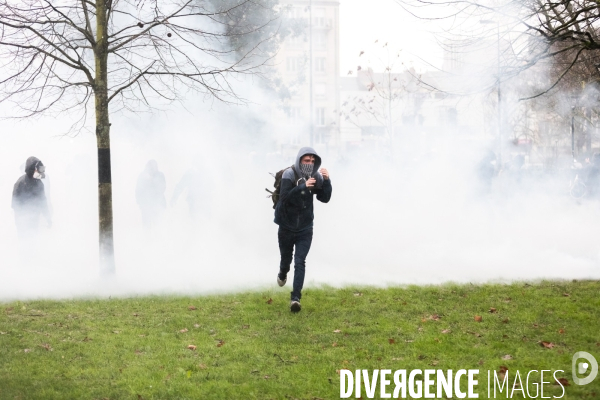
(105,213)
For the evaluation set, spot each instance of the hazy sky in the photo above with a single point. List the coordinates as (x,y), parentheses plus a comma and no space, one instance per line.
(362,22)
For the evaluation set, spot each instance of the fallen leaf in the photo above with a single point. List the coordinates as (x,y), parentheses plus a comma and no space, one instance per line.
(563,381)
(566,295)
(220,343)
(46,346)
(480,362)
(561,331)
(492,310)
(191,347)
(196,325)
(507,357)
(434,363)
(505,321)
(269,301)
(392,341)
(3,333)
(192,308)
(245,326)
(358,294)
(423,319)
(547,345)
(409,341)
(334,344)
(535,325)
(136,315)
(446,331)
(337,331)
(503,369)
(266,377)
(434,317)
(203,366)
(27,350)
(86,339)
(117,332)
(184,330)
(478,318)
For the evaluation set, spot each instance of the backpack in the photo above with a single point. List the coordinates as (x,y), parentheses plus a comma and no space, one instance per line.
(274,195)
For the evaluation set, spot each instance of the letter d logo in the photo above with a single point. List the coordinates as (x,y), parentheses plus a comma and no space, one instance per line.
(582,367)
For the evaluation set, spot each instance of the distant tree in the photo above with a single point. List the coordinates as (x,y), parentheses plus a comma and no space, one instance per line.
(124,55)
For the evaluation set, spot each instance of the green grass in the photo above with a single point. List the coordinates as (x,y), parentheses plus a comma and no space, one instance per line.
(249,347)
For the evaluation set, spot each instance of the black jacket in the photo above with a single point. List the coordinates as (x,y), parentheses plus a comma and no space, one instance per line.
(28,193)
(294,210)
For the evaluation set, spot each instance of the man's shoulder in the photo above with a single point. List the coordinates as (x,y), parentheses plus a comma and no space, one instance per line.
(21,179)
(289,174)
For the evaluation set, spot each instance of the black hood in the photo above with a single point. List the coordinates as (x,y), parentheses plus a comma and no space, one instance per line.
(31,164)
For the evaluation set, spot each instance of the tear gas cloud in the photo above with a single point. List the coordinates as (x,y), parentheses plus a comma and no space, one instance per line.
(417,219)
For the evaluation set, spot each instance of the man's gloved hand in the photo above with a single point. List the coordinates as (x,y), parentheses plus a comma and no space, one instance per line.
(311,183)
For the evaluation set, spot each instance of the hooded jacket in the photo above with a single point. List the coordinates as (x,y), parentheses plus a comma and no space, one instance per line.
(294,210)
(28,193)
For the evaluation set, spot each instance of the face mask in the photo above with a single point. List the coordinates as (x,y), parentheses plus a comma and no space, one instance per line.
(306,170)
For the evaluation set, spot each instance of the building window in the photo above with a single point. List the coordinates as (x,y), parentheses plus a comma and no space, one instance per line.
(293,64)
(295,40)
(320,40)
(320,90)
(319,17)
(296,13)
(320,116)
(294,115)
(320,64)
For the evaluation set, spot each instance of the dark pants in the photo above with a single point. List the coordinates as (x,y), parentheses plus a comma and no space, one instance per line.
(287,241)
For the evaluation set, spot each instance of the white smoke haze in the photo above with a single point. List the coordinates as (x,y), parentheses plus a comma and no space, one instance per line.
(418,219)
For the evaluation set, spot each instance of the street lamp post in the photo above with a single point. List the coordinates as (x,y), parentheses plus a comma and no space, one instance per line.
(310,73)
(498,87)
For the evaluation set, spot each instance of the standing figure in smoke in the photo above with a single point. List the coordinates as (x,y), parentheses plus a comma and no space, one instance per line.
(294,215)
(486,171)
(150,194)
(199,191)
(29,199)
(592,180)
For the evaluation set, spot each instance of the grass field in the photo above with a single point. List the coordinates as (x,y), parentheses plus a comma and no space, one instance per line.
(248,345)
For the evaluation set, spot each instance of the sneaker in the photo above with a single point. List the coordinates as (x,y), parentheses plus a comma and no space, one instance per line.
(281,282)
(295,306)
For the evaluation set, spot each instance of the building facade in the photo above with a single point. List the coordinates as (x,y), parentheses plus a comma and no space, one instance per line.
(311,74)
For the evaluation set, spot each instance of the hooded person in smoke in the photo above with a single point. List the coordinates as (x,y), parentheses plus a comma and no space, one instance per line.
(150,194)
(294,215)
(29,199)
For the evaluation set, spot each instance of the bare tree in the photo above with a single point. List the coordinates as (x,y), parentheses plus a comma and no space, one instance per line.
(58,56)
(563,34)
